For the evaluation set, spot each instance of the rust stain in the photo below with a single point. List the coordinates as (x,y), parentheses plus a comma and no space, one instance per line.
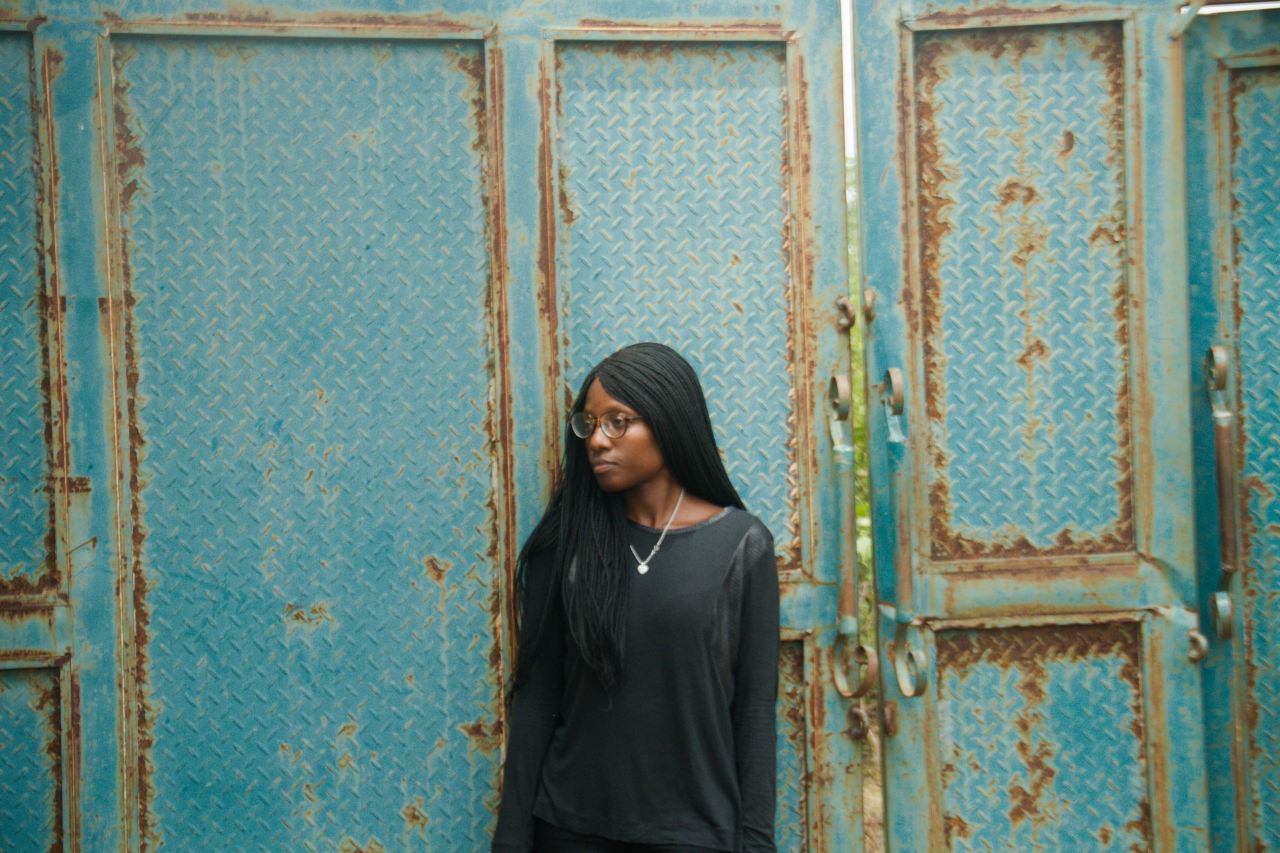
(128,166)
(548,312)
(1014,190)
(436,568)
(955,829)
(350,845)
(71,761)
(1035,351)
(562,195)
(48,705)
(483,735)
(934,212)
(313,617)
(976,17)
(415,817)
(1065,149)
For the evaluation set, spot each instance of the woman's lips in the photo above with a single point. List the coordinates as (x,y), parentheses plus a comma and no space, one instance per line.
(601,467)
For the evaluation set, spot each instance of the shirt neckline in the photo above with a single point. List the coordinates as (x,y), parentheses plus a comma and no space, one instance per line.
(676,530)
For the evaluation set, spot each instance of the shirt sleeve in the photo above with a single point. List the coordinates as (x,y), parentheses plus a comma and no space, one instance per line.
(535,706)
(755,694)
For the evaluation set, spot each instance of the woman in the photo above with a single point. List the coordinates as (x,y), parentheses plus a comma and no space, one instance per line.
(642,709)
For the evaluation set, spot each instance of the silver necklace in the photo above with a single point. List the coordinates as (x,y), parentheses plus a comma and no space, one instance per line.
(644,564)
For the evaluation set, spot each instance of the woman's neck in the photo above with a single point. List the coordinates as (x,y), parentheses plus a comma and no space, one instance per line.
(651,503)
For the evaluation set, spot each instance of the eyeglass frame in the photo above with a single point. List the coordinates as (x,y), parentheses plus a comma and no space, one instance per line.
(599,422)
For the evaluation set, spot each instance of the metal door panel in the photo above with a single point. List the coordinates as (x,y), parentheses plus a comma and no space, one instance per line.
(310,430)
(681,157)
(1034,566)
(316,360)
(1233,145)
(26,564)
(685,247)
(30,760)
(1022,233)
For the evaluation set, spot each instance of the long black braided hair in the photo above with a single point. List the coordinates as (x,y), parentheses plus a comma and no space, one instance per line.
(584,527)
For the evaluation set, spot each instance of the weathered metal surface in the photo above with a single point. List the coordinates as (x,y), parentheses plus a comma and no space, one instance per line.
(312,442)
(793,753)
(672,193)
(30,760)
(26,543)
(1023,220)
(1233,99)
(1020,143)
(1041,738)
(1254,97)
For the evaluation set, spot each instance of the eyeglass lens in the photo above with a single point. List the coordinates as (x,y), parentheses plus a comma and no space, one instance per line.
(613,425)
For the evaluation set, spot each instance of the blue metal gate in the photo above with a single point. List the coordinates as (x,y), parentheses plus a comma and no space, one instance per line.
(290,303)
(1032,379)
(1233,204)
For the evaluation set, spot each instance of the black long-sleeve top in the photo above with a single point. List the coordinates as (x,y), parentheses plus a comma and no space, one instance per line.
(683,749)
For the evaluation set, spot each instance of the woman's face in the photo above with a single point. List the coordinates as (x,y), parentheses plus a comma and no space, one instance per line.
(625,462)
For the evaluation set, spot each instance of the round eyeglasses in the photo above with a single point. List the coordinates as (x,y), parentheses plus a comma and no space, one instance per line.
(614,424)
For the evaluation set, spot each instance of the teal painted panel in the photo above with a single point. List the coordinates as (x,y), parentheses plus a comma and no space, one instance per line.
(1255,226)
(1041,738)
(24,500)
(30,761)
(672,160)
(312,416)
(1021,151)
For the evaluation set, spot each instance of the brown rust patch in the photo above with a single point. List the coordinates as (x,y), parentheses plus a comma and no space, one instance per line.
(350,845)
(437,568)
(955,828)
(313,617)
(1015,191)
(48,705)
(934,212)
(548,309)
(485,735)
(129,161)
(1034,352)
(415,817)
(980,16)
(562,196)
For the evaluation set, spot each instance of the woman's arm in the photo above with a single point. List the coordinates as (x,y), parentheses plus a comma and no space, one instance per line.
(755,692)
(534,709)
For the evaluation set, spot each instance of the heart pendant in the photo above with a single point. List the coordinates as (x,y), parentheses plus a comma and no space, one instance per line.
(642,568)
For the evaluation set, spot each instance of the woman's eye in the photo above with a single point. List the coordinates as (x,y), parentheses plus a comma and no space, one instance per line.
(617,421)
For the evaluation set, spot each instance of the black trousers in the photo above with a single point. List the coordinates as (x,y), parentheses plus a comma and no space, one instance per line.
(548,838)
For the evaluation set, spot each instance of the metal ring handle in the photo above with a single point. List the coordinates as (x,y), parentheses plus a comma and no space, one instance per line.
(1224,612)
(909,664)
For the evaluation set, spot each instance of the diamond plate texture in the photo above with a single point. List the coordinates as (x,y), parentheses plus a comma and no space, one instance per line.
(311,412)
(1020,152)
(1022,769)
(30,761)
(791,818)
(1255,220)
(672,229)
(24,502)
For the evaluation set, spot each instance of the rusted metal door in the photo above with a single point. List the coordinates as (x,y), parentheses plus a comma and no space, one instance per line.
(291,302)
(1031,431)
(1233,213)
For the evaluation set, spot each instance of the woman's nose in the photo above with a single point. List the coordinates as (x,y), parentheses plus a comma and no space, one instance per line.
(598,440)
